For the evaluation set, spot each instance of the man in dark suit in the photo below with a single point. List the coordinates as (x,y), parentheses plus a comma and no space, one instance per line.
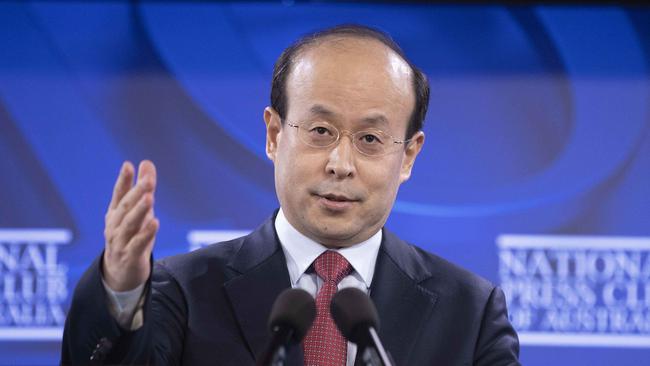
(343,132)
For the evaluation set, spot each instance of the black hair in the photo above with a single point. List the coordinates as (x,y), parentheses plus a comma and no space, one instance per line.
(284,64)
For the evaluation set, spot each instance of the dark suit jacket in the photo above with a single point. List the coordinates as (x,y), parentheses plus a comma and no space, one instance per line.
(210,307)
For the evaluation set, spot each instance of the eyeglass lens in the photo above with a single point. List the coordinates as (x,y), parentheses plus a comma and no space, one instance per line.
(369,142)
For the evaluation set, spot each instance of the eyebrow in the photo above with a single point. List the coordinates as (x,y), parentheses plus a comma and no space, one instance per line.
(378,119)
(322,111)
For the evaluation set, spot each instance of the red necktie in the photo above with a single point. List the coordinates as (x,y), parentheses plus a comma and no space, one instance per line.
(324,345)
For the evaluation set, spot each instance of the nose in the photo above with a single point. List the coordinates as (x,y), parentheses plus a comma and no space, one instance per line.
(341,158)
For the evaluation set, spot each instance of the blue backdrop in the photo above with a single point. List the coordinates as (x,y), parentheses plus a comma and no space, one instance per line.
(538,149)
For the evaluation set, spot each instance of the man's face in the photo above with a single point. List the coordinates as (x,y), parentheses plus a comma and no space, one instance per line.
(336,195)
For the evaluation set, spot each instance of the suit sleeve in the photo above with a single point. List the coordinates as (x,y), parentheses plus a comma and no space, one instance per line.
(497,343)
(92,336)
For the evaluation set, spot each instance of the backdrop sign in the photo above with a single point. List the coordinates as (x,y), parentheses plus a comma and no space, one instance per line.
(33,284)
(577,290)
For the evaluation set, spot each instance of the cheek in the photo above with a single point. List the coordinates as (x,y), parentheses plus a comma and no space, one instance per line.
(283,170)
(294,170)
(389,170)
(386,181)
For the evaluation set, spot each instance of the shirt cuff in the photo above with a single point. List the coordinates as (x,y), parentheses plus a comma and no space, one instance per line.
(126,306)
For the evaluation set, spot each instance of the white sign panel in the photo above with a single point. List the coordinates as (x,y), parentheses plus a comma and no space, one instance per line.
(577,290)
(33,284)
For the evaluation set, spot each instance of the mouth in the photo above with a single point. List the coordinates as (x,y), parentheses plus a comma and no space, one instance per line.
(335,202)
(336,197)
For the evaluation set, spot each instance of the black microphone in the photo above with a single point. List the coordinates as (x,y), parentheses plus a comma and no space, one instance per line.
(356,317)
(291,316)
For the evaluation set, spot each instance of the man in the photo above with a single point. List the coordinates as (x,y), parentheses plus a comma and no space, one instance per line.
(343,132)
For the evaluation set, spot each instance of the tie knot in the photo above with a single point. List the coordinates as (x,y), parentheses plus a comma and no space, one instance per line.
(332,267)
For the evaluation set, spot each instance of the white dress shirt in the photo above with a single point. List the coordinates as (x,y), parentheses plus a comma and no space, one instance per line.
(299,251)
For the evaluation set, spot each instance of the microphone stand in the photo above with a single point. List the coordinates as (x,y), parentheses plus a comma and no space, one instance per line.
(276,353)
(374,355)
(280,357)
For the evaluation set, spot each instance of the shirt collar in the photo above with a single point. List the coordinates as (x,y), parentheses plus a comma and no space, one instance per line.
(301,251)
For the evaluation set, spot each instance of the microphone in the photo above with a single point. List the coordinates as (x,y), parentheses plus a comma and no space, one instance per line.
(356,317)
(291,317)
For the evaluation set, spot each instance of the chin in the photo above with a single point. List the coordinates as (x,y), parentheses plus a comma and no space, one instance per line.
(335,238)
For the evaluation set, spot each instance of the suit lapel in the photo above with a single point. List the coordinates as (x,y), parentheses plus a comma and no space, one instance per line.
(403,305)
(263,276)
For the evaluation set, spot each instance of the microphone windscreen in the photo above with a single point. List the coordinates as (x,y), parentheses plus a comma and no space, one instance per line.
(353,312)
(294,308)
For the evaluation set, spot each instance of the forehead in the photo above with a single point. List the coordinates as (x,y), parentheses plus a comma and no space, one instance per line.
(352,78)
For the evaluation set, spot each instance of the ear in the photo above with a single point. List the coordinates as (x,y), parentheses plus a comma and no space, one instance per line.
(412,151)
(273,130)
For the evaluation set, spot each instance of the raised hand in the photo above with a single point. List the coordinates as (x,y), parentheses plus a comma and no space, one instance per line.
(130,228)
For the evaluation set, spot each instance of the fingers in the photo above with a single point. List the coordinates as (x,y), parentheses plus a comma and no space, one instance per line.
(144,239)
(147,170)
(122,184)
(145,184)
(134,219)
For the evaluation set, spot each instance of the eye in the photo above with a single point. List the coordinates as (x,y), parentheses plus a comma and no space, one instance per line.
(319,134)
(321,130)
(370,138)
